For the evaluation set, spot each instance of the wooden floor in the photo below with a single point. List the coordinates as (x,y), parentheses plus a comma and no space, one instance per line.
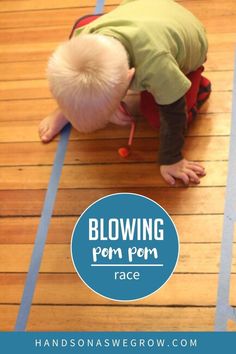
(29,31)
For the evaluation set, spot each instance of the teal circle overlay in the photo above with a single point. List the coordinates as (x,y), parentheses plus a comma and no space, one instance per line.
(124,246)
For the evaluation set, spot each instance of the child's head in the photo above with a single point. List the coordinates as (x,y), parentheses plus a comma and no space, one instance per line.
(88,76)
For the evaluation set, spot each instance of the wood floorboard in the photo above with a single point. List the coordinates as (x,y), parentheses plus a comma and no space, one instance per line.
(29,32)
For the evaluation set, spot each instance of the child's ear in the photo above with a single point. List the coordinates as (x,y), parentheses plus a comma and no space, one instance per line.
(131,73)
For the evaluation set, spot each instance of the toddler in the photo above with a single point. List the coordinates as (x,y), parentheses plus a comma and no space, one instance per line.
(155,47)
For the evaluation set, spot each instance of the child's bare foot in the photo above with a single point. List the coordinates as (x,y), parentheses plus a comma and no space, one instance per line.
(51,126)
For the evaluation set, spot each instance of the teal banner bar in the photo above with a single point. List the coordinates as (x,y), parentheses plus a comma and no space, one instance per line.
(118,342)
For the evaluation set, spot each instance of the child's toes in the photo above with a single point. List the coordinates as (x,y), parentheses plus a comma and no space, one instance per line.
(47,136)
(44,138)
(43,127)
(44,135)
(44,132)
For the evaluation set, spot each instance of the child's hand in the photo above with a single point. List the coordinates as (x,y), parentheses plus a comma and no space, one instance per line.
(187,171)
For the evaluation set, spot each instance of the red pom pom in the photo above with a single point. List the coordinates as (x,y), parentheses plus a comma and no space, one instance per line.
(123,151)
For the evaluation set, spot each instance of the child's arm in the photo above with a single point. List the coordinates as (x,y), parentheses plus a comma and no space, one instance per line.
(173,125)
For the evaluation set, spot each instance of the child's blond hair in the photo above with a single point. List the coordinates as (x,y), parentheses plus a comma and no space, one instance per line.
(88,76)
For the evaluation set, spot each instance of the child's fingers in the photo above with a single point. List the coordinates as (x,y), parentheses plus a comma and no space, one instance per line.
(192,175)
(183,176)
(197,168)
(169,179)
(196,164)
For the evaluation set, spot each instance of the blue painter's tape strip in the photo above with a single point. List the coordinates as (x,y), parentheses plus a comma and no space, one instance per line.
(42,231)
(99,7)
(223,311)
